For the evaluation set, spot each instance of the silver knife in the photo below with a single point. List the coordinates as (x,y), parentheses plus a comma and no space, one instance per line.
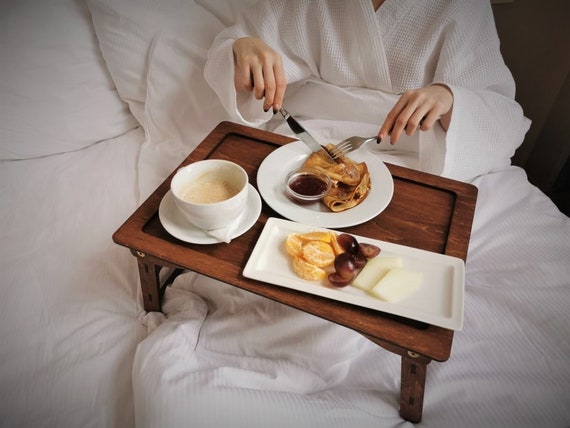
(302,134)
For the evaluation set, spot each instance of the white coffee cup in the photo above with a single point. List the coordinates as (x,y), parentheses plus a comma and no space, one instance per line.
(211,193)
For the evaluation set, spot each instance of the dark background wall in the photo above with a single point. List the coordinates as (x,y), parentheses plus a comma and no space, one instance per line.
(535,42)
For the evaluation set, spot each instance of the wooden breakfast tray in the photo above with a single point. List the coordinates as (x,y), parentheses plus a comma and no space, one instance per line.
(426,211)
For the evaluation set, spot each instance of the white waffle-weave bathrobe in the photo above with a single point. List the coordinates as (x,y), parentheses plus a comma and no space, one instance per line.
(343,50)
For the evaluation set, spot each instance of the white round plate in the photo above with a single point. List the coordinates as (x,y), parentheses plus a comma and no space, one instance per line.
(271,183)
(180,228)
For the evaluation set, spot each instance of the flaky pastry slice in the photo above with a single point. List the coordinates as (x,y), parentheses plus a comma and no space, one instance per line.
(351,180)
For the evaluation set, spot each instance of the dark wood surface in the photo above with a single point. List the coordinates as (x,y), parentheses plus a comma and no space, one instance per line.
(426,211)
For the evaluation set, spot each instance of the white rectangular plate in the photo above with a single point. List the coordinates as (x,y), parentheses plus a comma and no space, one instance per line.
(439,300)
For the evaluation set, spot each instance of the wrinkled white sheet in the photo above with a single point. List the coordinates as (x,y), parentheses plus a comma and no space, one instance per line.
(69,309)
(225,357)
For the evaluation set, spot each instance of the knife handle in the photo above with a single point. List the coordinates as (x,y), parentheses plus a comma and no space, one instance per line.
(293,124)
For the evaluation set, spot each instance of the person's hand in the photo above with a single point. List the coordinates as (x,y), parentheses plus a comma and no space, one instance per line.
(259,68)
(418,108)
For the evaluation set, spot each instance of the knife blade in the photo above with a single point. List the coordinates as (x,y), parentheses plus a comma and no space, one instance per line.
(302,133)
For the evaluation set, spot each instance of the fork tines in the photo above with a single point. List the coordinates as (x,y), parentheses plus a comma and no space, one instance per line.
(335,152)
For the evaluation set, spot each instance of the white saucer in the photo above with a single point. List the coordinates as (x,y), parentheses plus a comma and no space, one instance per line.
(180,228)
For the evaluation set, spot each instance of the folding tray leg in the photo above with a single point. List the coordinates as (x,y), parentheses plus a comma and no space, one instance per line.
(413,380)
(150,283)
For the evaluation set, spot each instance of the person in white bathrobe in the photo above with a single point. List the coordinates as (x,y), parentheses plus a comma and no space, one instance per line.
(426,76)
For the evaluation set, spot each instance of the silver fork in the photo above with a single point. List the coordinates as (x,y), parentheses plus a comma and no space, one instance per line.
(350,144)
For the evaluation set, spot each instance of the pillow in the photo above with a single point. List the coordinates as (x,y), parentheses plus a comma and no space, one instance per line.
(56,94)
(127,31)
(156,51)
(226,10)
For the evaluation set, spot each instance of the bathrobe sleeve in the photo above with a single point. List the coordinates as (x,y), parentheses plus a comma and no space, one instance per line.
(487,123)
(271,21)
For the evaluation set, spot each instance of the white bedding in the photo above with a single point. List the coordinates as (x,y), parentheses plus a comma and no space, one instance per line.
(77,349)
(69,305)
(225,357)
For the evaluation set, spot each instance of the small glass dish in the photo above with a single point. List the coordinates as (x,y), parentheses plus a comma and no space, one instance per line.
(306,185)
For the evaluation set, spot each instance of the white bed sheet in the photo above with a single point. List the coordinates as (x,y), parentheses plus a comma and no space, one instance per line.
(225,357)
(69,311)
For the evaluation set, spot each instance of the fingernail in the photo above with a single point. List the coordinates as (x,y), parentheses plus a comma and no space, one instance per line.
(275,111)
(265,110)
(378,140)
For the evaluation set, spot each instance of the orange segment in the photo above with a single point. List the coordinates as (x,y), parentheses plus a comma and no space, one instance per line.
(294,245)
(318,253)
(335,245)
(312,252)
(307,271)
(316,236)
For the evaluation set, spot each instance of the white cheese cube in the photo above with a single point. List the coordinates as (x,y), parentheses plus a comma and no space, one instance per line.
(397,284)
(374,270)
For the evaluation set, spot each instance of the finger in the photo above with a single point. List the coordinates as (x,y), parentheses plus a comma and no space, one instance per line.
(415,120)
(400,124)
(394,122)
(429,120)
(411,116)
(269,84)
(243,79)
(388,125)
(280,86)
(258,83)
(385,129)
(397,129)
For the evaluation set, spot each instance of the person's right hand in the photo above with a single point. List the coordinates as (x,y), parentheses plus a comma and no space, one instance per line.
(259,68)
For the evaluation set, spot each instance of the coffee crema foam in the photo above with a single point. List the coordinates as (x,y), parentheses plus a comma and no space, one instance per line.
(208,191)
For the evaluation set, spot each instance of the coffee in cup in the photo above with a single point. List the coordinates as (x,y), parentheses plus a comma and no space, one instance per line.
(211,193)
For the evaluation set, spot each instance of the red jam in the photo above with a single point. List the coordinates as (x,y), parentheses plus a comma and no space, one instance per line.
(308,185)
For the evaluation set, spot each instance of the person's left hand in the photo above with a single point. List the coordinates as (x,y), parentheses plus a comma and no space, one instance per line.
(418,108)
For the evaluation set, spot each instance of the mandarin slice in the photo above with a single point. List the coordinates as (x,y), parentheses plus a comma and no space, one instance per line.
(335,245)
(316,236)
(294,245)
(308,271)
(318,253)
